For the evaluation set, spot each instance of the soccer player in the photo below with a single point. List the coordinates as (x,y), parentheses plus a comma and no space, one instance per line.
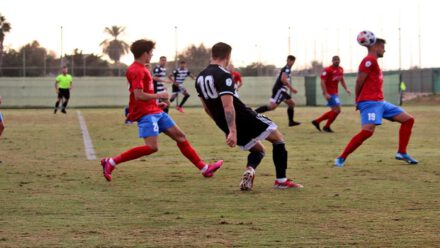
(279,92)
(372,106)
(236,77)
(330,78)
(178,77)
(2,126)
(63,84)
(242,125)
(144,109)
(160,77)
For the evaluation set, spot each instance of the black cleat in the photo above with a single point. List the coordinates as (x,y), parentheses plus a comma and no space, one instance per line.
(63,111)
(294,123)
(328,130)
(316,124)
(55,111)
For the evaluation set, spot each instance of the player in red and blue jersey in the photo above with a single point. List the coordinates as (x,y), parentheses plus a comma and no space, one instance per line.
(372,106)
(152,120)
(330,78)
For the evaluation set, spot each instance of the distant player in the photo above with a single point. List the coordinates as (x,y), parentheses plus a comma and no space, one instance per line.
(372,106)
(178,77)
(242,125)
(160,77)
(63,85)
(280,94)
(330,78)
(144,109)
(236,77)
(2,125)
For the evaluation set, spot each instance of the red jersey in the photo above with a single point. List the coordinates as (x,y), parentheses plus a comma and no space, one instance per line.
(331,77)
(236,77)
(140,78)
(372,89)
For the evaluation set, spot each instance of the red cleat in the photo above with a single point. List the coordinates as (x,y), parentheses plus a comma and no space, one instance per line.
(180,109)
(212,168)
(287,185)
(107,169)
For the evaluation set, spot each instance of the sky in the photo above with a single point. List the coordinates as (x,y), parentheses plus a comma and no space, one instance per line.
(258,31)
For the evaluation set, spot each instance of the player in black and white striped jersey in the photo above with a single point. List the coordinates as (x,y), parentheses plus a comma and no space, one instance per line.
(160,77)
(242,126)
(178,76)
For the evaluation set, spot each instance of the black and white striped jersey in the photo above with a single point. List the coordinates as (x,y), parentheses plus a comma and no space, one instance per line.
(160,72)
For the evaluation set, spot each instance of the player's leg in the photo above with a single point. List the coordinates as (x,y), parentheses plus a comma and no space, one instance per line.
(256,154)
(149,131)
(186,95)
(57,103)
(2,125)
(174,132)
(333,113)
(291,111)
(279,156)
(406,124)
(66,100)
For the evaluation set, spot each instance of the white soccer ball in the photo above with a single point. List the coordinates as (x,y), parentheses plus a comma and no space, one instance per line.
(366,38)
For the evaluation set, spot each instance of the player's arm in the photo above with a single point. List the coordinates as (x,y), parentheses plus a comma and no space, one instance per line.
(56,86)
(360,80)
(140,95)
(345,86)
(324,89)
(285,81)
(228,106)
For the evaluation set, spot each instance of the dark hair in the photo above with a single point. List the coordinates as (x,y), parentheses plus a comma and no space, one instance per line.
(139,47)
(182,62)
(291,57)
(163,57)
(380,41)
(221,50)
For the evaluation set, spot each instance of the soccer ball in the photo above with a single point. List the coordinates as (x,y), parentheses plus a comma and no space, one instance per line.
(366,38)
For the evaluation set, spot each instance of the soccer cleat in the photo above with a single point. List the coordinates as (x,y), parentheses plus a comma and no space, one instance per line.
(212,168)
(339,162)
(247,180)
(294,123)
(180,109)
(407,158)
(316,124)
(107,169)
(288,184)
(63,111)
(327,129)
(55,111)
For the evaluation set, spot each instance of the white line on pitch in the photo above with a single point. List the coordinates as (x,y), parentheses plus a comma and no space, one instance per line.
(88,146)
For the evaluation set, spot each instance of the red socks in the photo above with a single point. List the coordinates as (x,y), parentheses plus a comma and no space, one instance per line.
(405,134)
(355,142)
(325,116)
(331,118)
(133,153)
(188,151)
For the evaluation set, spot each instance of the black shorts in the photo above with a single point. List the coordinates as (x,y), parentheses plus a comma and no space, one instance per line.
(250,130)
(64,93)
(178,89)
(280,95)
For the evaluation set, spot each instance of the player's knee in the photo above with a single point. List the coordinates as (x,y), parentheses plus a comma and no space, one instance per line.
(154,148)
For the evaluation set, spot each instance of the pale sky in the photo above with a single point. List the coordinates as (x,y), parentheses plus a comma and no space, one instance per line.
(257,30)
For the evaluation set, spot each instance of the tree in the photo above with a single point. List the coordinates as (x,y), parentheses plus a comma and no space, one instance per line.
(114,48)
(5,27)
(197,58)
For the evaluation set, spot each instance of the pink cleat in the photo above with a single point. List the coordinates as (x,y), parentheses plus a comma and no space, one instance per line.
(107,169)
(212,168)
(180,109)
(287,185)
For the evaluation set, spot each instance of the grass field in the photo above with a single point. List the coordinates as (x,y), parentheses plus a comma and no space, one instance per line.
(51,196)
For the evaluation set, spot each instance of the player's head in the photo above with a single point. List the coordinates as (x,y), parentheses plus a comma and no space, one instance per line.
(162,61)
(378,48)
(290,60)
(182,64)
(64,70)
(336,60)
(221,51)
(143,50)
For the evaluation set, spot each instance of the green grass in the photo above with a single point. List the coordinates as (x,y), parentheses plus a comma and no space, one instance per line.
(51,196)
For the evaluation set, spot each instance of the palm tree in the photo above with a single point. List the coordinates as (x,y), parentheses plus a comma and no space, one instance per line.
(114,48)
(5,27)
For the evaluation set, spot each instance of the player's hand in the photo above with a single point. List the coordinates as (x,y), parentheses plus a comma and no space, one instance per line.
(327,96)
(231,139)
(162,95)
(163,105)
(348,92)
